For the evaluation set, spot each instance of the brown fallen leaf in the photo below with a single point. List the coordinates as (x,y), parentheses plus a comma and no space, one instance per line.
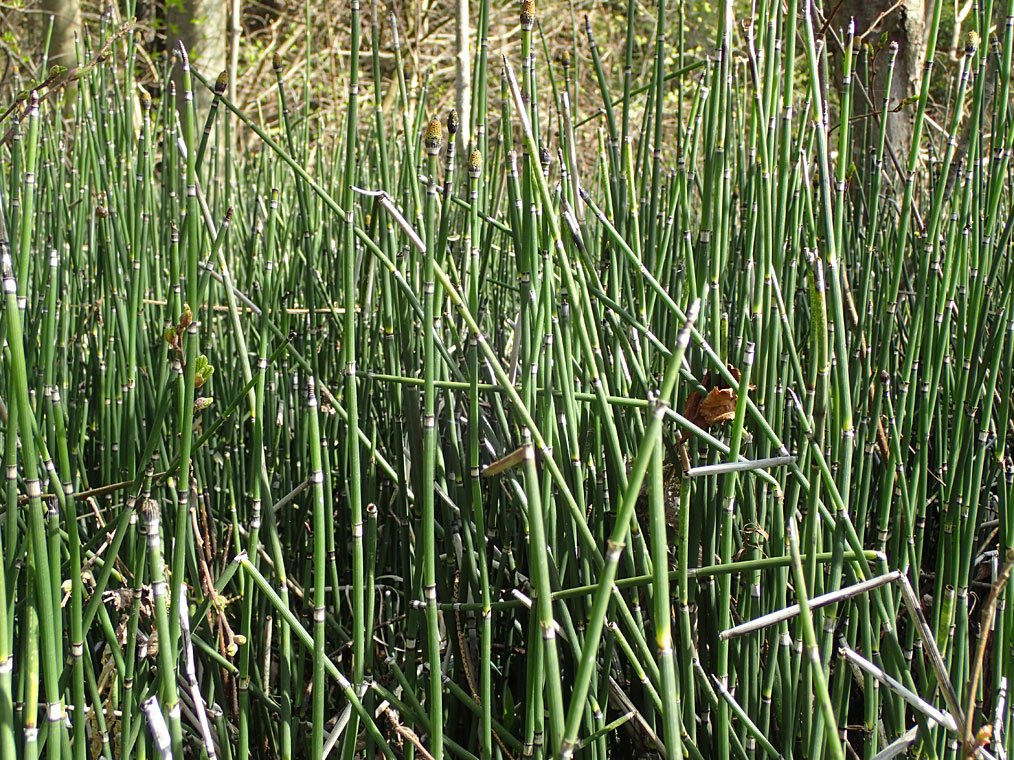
(719,405)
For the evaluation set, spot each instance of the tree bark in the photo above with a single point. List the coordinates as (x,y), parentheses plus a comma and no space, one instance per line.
(880,26)
(66,16)
(203,27)
(462,73)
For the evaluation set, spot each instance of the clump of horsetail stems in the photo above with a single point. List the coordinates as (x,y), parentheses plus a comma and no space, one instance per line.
(661,418)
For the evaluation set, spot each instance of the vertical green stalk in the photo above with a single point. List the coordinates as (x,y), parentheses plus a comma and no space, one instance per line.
(661,600)
(656,166)
(151,513)
(129,703)
(475,492)
(191,343)
(355,495)
(319,573)
(429,463)
(539,559)
(726,536)
(44,607)
(7,740)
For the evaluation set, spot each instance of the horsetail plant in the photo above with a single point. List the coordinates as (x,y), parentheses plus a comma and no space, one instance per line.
(663,409)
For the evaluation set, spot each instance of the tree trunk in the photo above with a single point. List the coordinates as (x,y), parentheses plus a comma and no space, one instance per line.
(905,25)
(66,16)
(462,73)
(203,27)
